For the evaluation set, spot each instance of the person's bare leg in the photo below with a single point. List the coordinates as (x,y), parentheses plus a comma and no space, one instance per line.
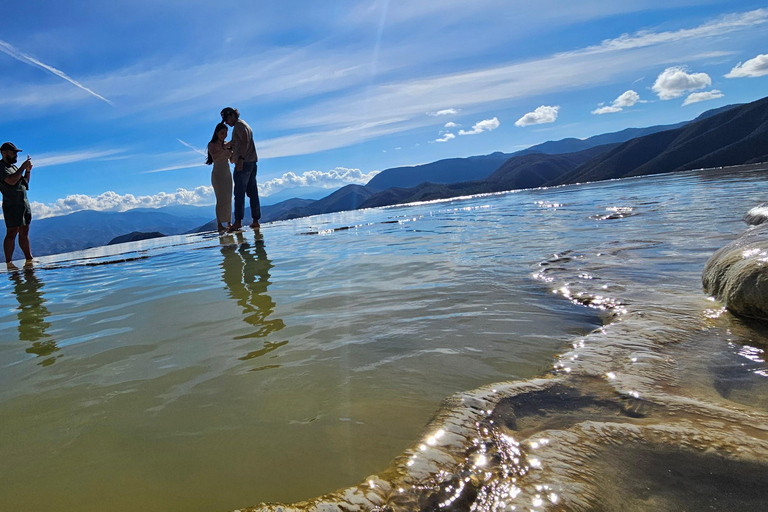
(24,242)
(9,244)
(255,224)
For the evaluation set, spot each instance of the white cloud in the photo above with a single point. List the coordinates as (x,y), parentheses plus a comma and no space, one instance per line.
(483,126)
(752,68)
(675,81)
(27,59)
(608,109)
(543,114)
(114,202)
(702,96)
(723,25)
(445,138)
(627,99)
(445,112)
(451,124)
(337,177)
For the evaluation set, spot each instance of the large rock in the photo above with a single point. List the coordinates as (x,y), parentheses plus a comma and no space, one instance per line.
(737,274)
(757,215)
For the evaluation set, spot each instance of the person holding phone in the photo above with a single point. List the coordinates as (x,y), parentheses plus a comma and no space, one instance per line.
(14,183)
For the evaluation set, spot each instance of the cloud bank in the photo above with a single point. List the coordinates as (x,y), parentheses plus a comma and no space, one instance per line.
(543,114)
(334,178)
(752,68)
(483,126)
(114,202)
(675,81)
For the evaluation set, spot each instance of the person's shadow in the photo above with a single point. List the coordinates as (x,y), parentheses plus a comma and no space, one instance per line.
(32,314)
(245,271)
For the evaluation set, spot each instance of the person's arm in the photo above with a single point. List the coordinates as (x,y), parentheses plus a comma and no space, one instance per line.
(214,153)
(13,179)
(238,145)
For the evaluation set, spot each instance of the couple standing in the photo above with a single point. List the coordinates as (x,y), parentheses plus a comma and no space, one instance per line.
(241,151)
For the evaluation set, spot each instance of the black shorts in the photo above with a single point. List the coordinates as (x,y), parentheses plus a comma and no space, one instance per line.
(17,215)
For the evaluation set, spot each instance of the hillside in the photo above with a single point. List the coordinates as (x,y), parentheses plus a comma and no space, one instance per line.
(522,171)
(733,137)
(451,170)
(350,197)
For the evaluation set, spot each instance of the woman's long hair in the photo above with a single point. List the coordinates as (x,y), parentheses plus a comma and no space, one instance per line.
(214,139)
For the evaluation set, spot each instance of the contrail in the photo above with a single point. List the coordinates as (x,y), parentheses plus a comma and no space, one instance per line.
(190,146)
(23,57)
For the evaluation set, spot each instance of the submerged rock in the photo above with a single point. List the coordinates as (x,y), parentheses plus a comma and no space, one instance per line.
(737,274)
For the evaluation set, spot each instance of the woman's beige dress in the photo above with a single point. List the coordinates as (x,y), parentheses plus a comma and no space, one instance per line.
(221,179)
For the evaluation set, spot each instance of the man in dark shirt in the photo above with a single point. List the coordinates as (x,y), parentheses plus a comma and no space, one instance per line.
(245,159)
(14,182)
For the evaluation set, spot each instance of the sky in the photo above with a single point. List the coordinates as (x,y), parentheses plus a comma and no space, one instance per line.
(116,101)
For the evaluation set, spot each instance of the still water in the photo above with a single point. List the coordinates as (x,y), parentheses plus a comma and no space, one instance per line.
(203,373)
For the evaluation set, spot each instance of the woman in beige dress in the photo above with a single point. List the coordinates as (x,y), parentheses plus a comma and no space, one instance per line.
(221,178)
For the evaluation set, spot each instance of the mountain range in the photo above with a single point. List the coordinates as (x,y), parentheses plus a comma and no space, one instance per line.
(731,135)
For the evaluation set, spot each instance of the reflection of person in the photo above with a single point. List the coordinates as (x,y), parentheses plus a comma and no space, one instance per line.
(14,182)
(32,314)
(219,153)
(245,159)
(245,271)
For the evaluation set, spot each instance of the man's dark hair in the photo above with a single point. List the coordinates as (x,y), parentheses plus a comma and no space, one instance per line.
(227,111)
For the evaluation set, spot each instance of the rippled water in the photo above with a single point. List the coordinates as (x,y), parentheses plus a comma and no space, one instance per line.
(207,373)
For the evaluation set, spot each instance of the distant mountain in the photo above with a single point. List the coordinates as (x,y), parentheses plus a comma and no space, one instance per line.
(135,237)
(537,169)
(521,171)
(84,229)
(312,193)
(735,136)
(451,170)
(350,197)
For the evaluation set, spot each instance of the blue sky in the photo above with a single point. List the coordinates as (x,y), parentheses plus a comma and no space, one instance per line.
(113,99)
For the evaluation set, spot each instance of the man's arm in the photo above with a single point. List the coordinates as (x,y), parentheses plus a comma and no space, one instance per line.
(237,145)
(13,179)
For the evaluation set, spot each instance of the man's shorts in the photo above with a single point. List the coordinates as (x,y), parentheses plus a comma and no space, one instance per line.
(17,215)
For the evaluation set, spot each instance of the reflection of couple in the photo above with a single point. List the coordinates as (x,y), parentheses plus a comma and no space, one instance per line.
(245,271)
(240,151)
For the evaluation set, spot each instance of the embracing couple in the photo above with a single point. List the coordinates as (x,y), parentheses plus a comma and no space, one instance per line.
(241,151)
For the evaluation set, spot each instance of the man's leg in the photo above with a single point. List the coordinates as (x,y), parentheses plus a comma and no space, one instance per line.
(9,244)
(24,242)
(241,183)
(253,194)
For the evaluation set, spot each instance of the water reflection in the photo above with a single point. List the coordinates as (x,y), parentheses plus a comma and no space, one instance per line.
(245,271)
(32,314)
